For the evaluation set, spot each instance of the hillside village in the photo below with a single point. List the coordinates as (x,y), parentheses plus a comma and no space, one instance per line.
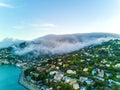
(96,67)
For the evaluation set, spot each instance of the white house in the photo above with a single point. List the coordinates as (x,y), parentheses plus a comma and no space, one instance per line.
(82,78)
(100,73)
(58,76)
(117,65)
(67,79)
(85,69)
(53,72)
(76,86)
(71,72)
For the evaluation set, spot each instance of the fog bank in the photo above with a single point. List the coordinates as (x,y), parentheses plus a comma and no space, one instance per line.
(60,44)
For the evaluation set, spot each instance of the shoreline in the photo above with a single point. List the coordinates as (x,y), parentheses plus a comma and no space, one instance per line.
(22,82)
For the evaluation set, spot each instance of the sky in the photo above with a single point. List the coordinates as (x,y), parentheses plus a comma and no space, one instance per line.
(30,19)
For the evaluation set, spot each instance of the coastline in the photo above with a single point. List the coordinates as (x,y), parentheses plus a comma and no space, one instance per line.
(21,80)
(24,83)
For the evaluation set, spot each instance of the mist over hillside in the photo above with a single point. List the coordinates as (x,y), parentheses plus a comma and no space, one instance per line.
(7,42)
(60,44)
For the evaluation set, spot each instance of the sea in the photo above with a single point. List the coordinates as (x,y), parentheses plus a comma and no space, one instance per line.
(9,77)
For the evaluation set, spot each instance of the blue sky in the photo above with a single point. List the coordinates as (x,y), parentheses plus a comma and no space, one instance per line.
(29,19)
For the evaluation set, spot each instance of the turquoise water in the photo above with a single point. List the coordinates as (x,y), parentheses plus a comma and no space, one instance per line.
(9,76)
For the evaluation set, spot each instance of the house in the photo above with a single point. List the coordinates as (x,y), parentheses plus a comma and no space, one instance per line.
(53,72)
(96,64)
(33,81)
(58,76)
(71,72)
(107,65)
(76,86)
(89,81)
(73,81)
(103,61)
(88,59)
(67,79)
(99,78)
(100,73)
(6,62)
(57,67)
(58,87)
(36,74)
(117,65)
(40,69)
(108,74)
(50,88)
(94,72)
(52,66)
(65,65)
(60,63)
(112,81)
(82,78)
(85,69)
(59,60)
(83,88)
(82,60)
(118,76)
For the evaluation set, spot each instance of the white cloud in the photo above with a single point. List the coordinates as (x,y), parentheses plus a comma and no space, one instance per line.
(43,26)
(5,5)
(47,25)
